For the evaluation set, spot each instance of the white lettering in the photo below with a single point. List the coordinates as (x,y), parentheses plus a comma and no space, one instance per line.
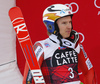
(89,64)
(70,53)
(64,61)
(66,53)
(21,27)
(39,80)
(72,59)
(38,52)
(62,55)
(76,60)
(68,60)
(37,75)
(36,72)
(74,53)
(71,72)
(56,56)
(58,63)
(66,57)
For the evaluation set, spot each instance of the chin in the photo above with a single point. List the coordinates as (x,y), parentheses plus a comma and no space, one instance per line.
(66,36)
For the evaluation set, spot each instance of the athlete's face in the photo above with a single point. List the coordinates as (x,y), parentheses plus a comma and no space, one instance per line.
(65,26)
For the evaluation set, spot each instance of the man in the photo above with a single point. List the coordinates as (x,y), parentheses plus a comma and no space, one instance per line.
(61,54)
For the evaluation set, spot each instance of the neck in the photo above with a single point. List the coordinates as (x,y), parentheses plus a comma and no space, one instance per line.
(61,41)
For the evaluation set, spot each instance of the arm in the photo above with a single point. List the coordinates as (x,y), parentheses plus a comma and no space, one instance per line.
(28,79)
(86,67)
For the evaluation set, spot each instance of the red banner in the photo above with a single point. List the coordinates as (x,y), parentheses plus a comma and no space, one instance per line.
(85,21)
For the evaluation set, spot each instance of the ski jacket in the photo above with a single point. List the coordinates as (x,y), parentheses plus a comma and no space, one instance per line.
(59,60)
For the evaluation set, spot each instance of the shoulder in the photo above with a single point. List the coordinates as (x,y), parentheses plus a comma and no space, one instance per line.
(41,43)
(39,46)
(42,47)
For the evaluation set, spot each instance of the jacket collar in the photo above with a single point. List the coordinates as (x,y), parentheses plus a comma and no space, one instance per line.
(65,42)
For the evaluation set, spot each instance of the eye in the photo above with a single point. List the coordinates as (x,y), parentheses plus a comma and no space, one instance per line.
(70,22)
(64,22)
